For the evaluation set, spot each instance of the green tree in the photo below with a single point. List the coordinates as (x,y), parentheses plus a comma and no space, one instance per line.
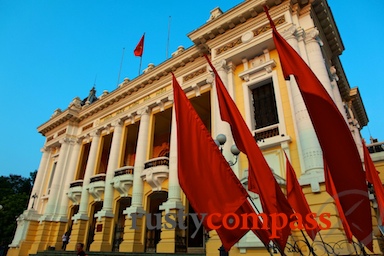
(14,195)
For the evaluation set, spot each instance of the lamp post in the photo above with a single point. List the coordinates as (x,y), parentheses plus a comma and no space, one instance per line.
(220,140)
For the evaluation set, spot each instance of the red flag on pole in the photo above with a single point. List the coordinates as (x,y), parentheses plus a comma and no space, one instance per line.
(205,176)
(297,199)
(330,187)
(373,178)
(260,176)
(335,140)
(139,48)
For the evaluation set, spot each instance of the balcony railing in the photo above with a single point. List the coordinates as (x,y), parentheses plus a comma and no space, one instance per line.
(266,132)
(124,170)
(155,172)
(123,180)
(376,147)
(156,162)
(76,183)
(97,177)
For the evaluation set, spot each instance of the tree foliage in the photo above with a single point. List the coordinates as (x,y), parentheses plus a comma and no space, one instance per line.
(14,195)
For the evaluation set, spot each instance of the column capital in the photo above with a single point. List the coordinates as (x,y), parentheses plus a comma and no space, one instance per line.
(231,67)
(95,133)
(221,66)
(118,122)
(290,33)
(74,141)
(143,111)
(312,35)
(64,141)
(45,149)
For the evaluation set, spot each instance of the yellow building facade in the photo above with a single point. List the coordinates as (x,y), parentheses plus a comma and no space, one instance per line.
(110,158)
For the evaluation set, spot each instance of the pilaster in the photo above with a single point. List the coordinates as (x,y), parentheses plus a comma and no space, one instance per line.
(309,148)
(80,220)
(167,242)
(168,239)
(133,238)
(219,126)
(133,234)
(213,244)
(89,170)
(78,234)
(75,146)
(39,179)
(316,59)
(102,239)
(57,180)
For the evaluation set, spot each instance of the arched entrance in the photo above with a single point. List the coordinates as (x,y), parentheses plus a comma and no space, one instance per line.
(122,204)
(74,210)
(97,206)
(152,234)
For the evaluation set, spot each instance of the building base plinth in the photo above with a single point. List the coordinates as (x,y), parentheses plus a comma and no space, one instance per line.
(77,234)
(42,237)
(133,238)
(103,232)
(167,242)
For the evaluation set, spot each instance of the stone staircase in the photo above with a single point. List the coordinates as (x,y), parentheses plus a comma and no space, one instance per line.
(72,253)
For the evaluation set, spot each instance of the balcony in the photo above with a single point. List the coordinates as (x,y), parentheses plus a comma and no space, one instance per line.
(74,192)
(376,149)
(96,186)
(123,180)
(155,172)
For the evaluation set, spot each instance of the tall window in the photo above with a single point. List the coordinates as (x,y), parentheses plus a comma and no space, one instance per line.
(105,150)
(264,103)
(131,134)
(83,161)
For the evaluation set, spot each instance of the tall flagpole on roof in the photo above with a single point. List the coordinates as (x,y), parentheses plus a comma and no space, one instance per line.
(121,65)
(138,51)
(169,34)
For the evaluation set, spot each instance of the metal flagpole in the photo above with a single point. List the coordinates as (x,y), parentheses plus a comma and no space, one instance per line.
(141,59)
(169,33)
(121,65)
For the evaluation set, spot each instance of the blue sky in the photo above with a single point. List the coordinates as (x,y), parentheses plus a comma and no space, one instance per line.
(52,51)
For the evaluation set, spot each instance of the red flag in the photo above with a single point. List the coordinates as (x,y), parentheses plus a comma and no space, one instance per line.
(330,187)
(335,140)
(260,177)
(205,176)
(297,199)
(139,48)
(374,179)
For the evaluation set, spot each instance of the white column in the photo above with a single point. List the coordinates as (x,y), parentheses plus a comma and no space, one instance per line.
(113,163)
(56,182)
(141,153)
(39,179)
(316,59)
(89,170)
(71,171)
(174,191)
(221,127)
(309,148)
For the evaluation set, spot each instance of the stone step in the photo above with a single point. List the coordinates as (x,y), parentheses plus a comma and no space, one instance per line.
(72,253)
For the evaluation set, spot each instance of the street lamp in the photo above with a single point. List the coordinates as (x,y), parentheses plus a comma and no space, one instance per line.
(220,140)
